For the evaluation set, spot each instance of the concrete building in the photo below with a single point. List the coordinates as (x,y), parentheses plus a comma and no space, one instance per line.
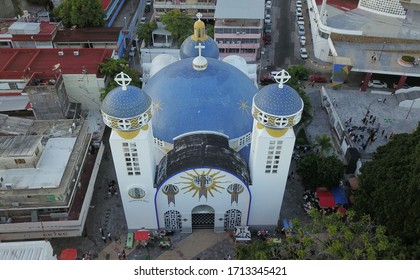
(47,173)
(239,28)
(43,79)
(200,146)
(26,250)
(189,7)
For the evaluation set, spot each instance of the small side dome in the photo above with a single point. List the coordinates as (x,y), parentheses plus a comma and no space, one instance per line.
(127,107)
(278,105)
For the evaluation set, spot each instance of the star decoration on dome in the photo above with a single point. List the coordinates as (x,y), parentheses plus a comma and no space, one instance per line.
(243,105)
(282,77)
(157,106)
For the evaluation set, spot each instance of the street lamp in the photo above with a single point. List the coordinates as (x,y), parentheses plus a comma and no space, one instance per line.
(383,46)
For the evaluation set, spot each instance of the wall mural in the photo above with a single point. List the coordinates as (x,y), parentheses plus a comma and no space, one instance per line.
(202,184)
(170,191)
(234,190)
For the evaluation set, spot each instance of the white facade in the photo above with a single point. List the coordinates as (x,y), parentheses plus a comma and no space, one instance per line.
(134,163)
(27,250)
(269,165)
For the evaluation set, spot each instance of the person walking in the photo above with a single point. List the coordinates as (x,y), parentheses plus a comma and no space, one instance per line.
(109,236)
(104,238)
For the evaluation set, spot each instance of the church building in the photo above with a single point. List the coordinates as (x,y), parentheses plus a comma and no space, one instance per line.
(200,146)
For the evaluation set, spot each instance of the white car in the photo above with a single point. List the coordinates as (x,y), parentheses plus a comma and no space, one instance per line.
(300,21)
(268,5)
(267,18)
(303,53)
(299,13)
(302,41)
(143,20)
(301,30)
(377,84)
(299,4)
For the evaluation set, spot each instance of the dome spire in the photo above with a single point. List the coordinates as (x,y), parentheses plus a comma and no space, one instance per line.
(282,77)
(200,62)
(123,80)
(199,29)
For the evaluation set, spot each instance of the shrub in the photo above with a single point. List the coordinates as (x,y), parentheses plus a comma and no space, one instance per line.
(408,58)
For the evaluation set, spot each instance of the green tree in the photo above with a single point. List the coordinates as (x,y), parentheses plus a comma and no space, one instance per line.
(299,73)
(328,237)
(389,189)
(319,171)
(210,30)
(81,13)
(111,68)
(144,31)
(179,24)
(323,142)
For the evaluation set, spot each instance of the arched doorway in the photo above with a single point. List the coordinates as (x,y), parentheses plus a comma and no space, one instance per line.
(202,216)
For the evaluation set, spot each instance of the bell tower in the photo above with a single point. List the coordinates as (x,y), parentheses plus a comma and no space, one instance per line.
(276,108)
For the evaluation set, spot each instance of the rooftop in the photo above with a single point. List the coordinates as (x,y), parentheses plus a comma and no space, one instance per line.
(110,34)
(240,9)
(19,63)
(26,250)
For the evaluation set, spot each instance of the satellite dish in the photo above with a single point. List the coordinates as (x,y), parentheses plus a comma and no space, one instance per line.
(56,66)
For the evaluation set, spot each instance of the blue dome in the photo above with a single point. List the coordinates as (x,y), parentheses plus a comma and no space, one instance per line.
(217,99)
(124,104)
(278,101)
(188,49)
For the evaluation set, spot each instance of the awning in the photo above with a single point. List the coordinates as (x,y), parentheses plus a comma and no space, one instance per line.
(339,195)
(68,254)
(326,199)
(141,235)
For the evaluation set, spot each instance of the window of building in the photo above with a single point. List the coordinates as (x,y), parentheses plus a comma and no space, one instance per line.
(274,150)
(20,161)
(131,158)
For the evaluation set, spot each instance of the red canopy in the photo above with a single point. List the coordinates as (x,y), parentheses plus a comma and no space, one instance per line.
(68,254)
(141,235)
(326,199)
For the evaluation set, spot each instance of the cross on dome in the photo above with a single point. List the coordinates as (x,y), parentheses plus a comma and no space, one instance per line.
(199,16)
(199,47)
(123,80)
(282,77)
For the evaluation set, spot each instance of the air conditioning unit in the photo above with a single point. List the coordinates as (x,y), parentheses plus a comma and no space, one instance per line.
(60,53)
(238,42)
(220,42)
(9,186)
(76,53)
(15,204)
(237,33)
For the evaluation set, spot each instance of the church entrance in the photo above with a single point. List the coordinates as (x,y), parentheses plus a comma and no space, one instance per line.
(202,216)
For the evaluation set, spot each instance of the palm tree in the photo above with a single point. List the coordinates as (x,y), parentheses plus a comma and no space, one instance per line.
(324,143)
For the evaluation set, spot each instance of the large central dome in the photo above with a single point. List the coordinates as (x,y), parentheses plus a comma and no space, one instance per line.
(217,99)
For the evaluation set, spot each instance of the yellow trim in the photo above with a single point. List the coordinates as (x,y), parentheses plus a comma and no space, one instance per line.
(276,132)
(128,134)
(260,126)
(145,127)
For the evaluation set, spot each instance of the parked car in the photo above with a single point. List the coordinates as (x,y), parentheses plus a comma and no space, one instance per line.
(395,85)
(267,39)
(300,21)
(303,53)
(267,28)
(143,20)
(268,5)
(377,84)
(267,18)
(267,80)
(317,78)
(301,30)
(299,4)
(302,41)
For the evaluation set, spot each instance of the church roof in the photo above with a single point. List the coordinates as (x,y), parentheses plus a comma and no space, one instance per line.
(128,103)
(202,150)
(278,101)
(217,99)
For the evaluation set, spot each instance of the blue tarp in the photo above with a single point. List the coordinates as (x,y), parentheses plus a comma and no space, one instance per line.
(339,195)
(287,224)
